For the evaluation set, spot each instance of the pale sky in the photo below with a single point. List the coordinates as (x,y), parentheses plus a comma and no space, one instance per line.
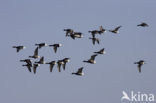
(26,22)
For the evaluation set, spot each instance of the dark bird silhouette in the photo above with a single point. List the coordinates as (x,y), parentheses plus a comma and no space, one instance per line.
(68,31)
(95,40)
(76,35)
(59,63)
(28,61)
(91,60)
(102,30)
(35,54)
(18,48)
(94,32)
(28,66)
(102,51)
(140,63)
(79,72)
(41,61)
(143,24)
(52,63)
(65,60)
(55,46)
(116,30)
(35,67)
(41,45)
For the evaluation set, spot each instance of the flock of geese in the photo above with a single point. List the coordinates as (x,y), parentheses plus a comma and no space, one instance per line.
(71,33)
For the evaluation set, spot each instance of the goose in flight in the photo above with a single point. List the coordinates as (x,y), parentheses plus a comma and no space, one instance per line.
(65,60)
(35,67)
(102,30)
(55,46)
(116,30)
(40,45)
(52,63)
(28,61)
(94,32)
(28,66)
(59,63)
(35,54)
(102,51)
(41,61)
(68,31)
(76,35)
(140,63)
(18,48)
(79,72)
(143,24)
(125,96)
(91,60)
(95,40)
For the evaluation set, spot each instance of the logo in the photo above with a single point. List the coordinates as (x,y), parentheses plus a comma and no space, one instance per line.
(137,97)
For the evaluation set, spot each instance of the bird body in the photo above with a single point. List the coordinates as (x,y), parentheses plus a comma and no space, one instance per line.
(140,63)
(18,48)
(100,51)
(52,63)
(35,54)
(55,46)
(115,30)
(79,72)
(143,24)
(41,45)
(91,60)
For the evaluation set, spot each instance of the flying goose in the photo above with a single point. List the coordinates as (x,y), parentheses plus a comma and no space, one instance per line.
(95,40)
(41,61)
(102,51)
(76,35)
(41,45)
(93,32)
(55,46)
(79,72)
(91,60)
(35,67)
(102,30)
(52,63)
(28,66)
(68,31)
(59,63)
(115,30)
(35,54)
(18,48)
(28,61)
(140,63)
(65,60)
(143,24)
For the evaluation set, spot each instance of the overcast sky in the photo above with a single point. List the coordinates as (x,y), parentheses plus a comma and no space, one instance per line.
(26,22)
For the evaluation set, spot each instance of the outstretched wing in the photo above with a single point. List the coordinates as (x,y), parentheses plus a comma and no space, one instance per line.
(51,67)
(29,68)
(93,57)
(80,70)
(59,67)
(139,67)
(98,41)
(117,28)
(64,65)
(36,51)
(55,49)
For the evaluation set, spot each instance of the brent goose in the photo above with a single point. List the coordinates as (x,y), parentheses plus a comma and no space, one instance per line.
(28,66)
(28,61)
(95,40)
(18,48)
(65,60)
(79,72)
(59,63)
(91,60)
(140,63)
(93,32)
(41,61)
(76,35)
(55,46)
(68,31)
(143,24)
(102,51)
(115,30)
(52,63)
(35,67)
(41,45)
(35,54)
(102,30)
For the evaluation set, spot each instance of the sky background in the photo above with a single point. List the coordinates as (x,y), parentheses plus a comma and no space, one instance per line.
(26,22)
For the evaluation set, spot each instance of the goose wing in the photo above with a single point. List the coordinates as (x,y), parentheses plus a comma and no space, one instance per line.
(80,70)
(36,51)
(93,57)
